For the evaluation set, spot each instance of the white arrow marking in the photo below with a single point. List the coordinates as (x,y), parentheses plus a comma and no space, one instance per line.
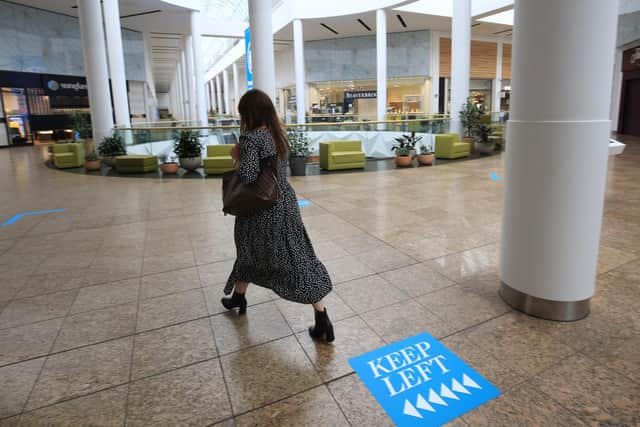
(423,404)
(434,398)
(410,410)
(445,392)
(468,382)
(456,386)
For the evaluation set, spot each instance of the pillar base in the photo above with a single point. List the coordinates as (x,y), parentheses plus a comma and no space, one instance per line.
(564,311)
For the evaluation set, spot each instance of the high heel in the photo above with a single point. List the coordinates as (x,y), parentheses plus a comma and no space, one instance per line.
(323,327)
(236,301)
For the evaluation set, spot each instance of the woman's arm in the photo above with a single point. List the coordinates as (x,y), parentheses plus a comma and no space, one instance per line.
(249,160)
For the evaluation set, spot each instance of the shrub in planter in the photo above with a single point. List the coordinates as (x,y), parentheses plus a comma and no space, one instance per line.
(483,144)
(403,156)
(110,147)
(92,162)
(298,151)
(168,164)
(470,117)
(426,156)
(186,144)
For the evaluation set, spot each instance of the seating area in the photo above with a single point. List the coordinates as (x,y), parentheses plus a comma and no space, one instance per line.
(339,155)
(135,163)
(449,146)
(218,160)
(68,155)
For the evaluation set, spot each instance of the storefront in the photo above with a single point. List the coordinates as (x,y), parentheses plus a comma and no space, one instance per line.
(37,108)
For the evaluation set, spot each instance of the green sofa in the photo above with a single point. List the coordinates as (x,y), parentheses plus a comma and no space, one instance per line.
(68,155)
(136,163)
(218,160)
(449,146)
(336,155)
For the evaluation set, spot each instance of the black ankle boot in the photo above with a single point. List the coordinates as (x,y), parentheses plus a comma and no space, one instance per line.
(236,300)
(323,327)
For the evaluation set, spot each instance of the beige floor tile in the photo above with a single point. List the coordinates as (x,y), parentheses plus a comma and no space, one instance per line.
(18,379)
(359,244)
(404,320)
(369,293)
(35,309)
(194,395)
(262,323)
(112,269)
(52,282)
(156,285)
(464,266)
(385,258)
(28,341)
(610,258)
(315,407)
(417,279)
(105,408)
(267,373)
(215,273)
(175,261)
(346,268)
(172,347)
(353,338)
(592,391)
(301,316)
(102,296)
(524,406)
(170,309)
(223,250)
(95,326)
(82,371)
(10,422)
(357,403)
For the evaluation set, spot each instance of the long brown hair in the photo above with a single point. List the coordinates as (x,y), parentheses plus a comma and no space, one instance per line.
(256,110)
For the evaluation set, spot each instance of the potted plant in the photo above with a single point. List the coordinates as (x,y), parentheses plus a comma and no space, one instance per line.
(92,162)
(403,152)
(470,116)
(111,147)
(483,144)
(410,141)
(168,164)
(426,156)
(186,144)
(299,150)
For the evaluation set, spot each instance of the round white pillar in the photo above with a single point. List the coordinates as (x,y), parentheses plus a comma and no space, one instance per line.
(214,101)
(95,66)
(236,88)
(181,90)
(190,78)
(556,157)
(460,60)
(227,92)
(264,71)
(298,54)
(381,63)
(497,82)
(198,69)
(185,85)
(219,94)
(116,62)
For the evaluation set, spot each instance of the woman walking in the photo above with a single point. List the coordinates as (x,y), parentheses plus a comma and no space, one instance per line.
(272,246)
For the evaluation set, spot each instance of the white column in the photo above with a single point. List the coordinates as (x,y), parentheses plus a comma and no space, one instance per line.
(150,81)
(214,101)
(435,73)
(198,69)
(227,91)
(298,53)
(95,66)
(460,60)
(219,95)
(190,78)
(497,82)
(182,90)
(116,62)
(236,88)
(381,62)
(616,91)
(556,157)
(264,70)
(185,83)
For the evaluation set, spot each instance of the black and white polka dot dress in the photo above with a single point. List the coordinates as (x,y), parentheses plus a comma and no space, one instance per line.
(273,248)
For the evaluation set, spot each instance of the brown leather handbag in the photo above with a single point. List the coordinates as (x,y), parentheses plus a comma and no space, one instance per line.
(248,199)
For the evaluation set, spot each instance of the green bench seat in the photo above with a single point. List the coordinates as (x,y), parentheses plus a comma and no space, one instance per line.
(218,160)
(68,155)
(336,155)
(136,163)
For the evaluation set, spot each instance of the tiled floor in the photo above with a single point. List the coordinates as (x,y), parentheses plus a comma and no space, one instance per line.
(110,314)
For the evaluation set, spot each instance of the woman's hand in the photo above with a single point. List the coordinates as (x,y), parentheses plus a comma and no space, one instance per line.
(235,154)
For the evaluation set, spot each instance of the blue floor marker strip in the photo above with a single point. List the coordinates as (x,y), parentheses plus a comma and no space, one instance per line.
(303,203)
(495,177)
(419,382)
(17,217)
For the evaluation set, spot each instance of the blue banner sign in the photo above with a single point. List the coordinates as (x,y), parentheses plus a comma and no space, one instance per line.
(247,58)
(419,382)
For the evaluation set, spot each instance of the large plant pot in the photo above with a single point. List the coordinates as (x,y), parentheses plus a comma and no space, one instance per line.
(190,163)
(484,148)
(471,141)
(109,161)
(298,165)
(403,161)
(93,165)
(426,159)
(169,168)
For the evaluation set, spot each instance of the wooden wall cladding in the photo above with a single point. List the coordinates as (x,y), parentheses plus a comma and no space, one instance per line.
(483,59)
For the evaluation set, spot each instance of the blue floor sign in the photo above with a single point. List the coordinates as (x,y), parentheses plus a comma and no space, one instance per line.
(419,382)
(303,203)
